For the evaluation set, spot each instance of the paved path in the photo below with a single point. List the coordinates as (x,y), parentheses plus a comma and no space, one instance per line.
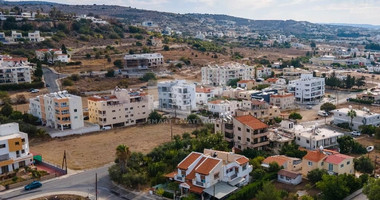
(51,77)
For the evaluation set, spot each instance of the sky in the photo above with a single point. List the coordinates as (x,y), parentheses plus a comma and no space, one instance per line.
(317,11)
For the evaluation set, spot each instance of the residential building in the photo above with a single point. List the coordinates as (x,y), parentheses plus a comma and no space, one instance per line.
(289,177)
(143,61)
(258,109)
(292,73)
(363,117)
(59,110)
(307,89)
(14,148)
(249,132)
(263,72)
(15,36)
(15,70)
(221,75)
(288,163)
(52,55)
(2,37)
(223,107)
(177,94)
(246,84)
(278,138)
(333,162)
(314,137)
(212,173)
(283,100)
(264,95)
(123,108)
(35,37)
(203,95)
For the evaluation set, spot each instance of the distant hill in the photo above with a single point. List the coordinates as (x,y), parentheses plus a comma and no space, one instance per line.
(368,26)
(191,23)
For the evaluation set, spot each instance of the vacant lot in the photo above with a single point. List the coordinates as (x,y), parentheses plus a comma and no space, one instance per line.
(62,197)
(94,150)
(365,140)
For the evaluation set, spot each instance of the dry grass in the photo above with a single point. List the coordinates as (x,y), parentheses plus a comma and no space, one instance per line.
(94,150)
(62,197)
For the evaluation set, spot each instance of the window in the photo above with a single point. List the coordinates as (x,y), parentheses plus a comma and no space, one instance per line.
(23,151)
(113,111)
(23,140)
(248,140)
(239,129)
(348,162)
(239,138)
(4,169)
(298,138)
(248,130)
(307,141)
(342,165)
(322,163)
(17,143)
(239,147)
(2,146)
(309,163)
(216,175)
(217,125)
(75,110)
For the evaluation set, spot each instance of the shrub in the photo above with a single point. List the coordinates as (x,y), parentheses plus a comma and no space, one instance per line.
(11,87)
(67,82)
(316,175)
(344,125)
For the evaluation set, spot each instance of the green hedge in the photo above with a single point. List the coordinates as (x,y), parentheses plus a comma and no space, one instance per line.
(362,101)
(35,85)
(247,192)
(168,195)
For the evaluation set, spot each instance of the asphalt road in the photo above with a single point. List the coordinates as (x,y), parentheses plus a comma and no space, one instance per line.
(50,77)
(83,182)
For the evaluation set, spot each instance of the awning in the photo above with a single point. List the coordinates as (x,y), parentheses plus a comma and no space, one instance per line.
(220,190)
(236,181)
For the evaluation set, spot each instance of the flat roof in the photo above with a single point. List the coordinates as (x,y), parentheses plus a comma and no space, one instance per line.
(358,112)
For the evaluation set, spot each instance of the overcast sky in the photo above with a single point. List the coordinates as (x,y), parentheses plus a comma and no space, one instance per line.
(319,11)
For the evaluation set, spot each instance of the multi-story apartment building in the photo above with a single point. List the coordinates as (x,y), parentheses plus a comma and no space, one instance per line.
(221,75)
(223,107)
(363,117)
(333,162)
(59,110)
(282,100)
(263,72)
(307,89)
(249,132)
(258,109)
(14,70)
(246,84)
(123,108)
(14,148)
(212,173)
(144,61)
(177,94)
(203,95)
(52,55)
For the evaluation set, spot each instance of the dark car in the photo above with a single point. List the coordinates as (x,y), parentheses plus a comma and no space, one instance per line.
(33,185)
(47,85)
(143,87)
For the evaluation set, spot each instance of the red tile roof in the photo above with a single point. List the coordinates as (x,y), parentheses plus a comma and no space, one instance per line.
(191,175)
(194,188)
(216,102)
(337,158)
(271,80)
(246,81)
(203,90)
(190,159)
(171,175)
(280,160)
(289,174)
(251,121)
(315,156)
(15,59)
(242,160)
(257,102)
(207,165)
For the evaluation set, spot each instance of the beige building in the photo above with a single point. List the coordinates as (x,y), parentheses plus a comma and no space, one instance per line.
(282,100)
(333,162)
(123,108)
(288,163)
(249,132)
(259,109)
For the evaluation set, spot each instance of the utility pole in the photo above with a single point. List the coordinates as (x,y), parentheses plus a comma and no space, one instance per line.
(96,186)
(64,162)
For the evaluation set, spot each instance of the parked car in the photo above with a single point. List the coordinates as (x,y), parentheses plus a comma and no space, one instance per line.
(309,107)
(47,85)
(104,128)
(355,133)
(33,185)
(31,89)
(323,113)
(370,148)
(35,91)
(143,87)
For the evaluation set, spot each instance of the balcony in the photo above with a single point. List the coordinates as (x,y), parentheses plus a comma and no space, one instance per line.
(199,183)
(180,178)
(233,176)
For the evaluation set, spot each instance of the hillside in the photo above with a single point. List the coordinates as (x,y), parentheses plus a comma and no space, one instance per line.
(190,23)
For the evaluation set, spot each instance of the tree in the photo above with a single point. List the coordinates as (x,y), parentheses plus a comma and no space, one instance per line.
(316,175)
(327,107)
(347,144)
(4,97)
(364,165)
(6,110)
(148,76)
(38,72)
(194,119)
(333,187)
(258,174)
(154,117)
(63,48)
(295,116)
(110,73)
(118,63)
(313,45)
(352,115)
(166,48)
(122,154)
(233,82)
(360,82)
(292,150)
(256,162)
(274,167)
(67,82)
(307,197)
(371,190)
(367,129)
(269,192)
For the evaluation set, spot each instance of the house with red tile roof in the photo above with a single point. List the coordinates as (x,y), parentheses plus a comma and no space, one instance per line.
(282,100)
(333,162)
(203,94)
(215,173)
(289,177)
(288,163)
(52,55)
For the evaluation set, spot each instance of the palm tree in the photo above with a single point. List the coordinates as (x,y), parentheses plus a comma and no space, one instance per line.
(352,115)
(122,154)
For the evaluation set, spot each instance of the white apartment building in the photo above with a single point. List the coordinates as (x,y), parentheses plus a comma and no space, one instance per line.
(314,137)
(52,55)
(282,100)
(263,72)
(363,117)
(123,108)
(59,110)
(15,36)
(14,148)
(220,75)
(307,89)
(223,107)
(15,70)
(212,173)
(177,94)
(144,61)
(35,37)
(203,95)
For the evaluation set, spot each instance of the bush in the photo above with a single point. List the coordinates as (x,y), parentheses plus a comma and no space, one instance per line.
(110,73)
(364,165)
(75,77)
(316,175)
(362,101)
(148,76)
(67,82)
(344,125)
(168,195)
(118,63)
(12,87)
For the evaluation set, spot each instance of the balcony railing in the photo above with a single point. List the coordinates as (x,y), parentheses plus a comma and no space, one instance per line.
(180,178)
(233,176)
(199,183)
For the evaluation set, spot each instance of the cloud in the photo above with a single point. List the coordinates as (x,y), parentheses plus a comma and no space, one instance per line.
(339,11)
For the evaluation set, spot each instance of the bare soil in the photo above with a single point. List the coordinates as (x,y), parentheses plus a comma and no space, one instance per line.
(63,197)
(94,150)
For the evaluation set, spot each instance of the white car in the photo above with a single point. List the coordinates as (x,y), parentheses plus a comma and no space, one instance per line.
(370,148)
(35,91)
(355,133)
(323,114)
